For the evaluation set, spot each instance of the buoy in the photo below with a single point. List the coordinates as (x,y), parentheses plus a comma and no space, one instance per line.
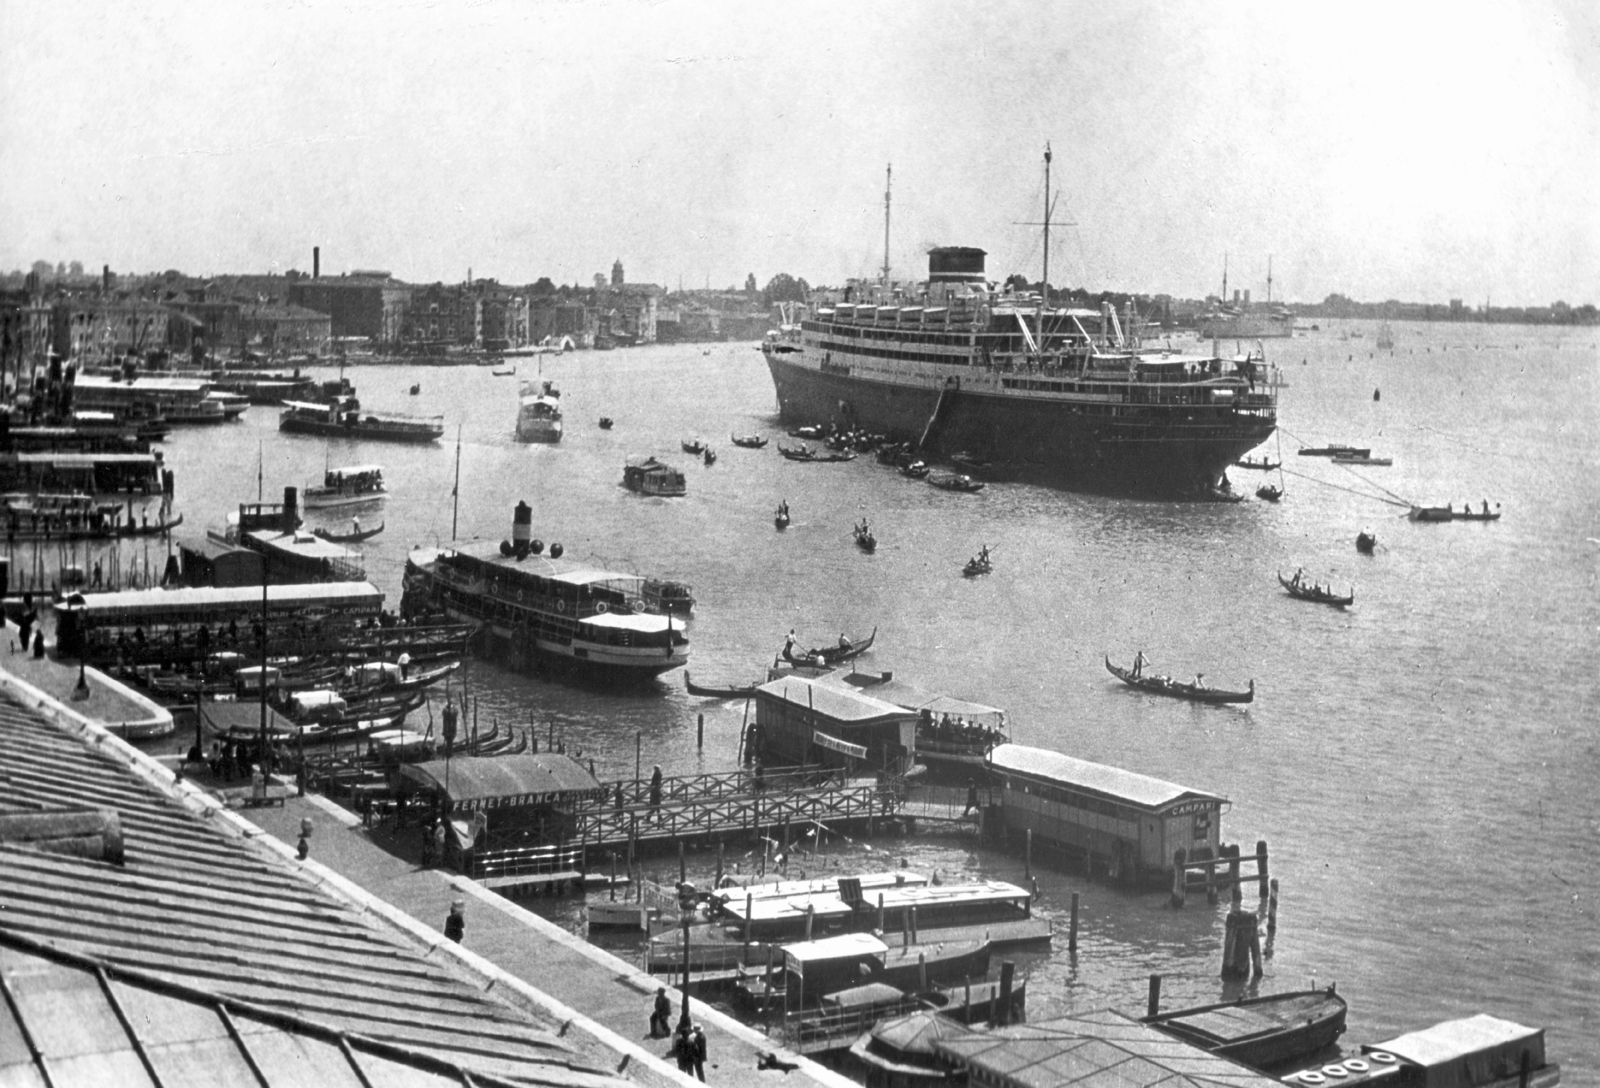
(555,551)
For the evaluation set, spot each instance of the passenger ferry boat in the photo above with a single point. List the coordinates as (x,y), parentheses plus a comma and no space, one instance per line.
(177,400)
(1062,395)
(648,476)
(353,485)
(539,413)
(543,609)
(342,417)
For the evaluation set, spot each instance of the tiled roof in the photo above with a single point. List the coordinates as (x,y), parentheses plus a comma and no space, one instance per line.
(201,908)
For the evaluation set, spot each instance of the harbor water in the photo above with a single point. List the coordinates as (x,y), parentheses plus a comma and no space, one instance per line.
(1424,764)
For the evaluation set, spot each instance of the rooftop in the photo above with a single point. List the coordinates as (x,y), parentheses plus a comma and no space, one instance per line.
(1113,782)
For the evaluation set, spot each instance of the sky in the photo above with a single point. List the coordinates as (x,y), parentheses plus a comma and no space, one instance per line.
(1418,151)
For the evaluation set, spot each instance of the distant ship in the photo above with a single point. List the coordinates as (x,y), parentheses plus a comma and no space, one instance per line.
(539,413)
(342,417)
(1225,322)
(1031,390)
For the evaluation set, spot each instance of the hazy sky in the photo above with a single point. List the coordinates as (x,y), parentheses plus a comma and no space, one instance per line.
(1414,151)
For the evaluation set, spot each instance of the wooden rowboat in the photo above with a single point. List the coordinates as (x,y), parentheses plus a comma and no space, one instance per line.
(1165,685)
(1264,1032)
(348,538)
(832,655)
(712,691)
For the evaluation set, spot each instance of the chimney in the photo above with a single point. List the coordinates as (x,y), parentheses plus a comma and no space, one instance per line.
(316,262)
(521,528)
(291,510)
(105,279)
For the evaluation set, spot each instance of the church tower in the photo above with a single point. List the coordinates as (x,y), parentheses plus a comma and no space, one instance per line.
(616,272)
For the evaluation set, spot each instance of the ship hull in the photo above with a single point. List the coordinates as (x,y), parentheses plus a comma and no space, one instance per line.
(418,436)
(1246,327)
(1076,445)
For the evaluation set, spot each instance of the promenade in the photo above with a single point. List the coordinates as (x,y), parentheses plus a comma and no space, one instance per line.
(609,991)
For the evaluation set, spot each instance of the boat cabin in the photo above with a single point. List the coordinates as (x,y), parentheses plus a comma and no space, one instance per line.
(1129,822)
(354,478)
(501,811)
(1473,1051)
(651,477)
(810,720)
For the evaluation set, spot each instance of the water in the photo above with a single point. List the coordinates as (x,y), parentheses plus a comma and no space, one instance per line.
(1423,765)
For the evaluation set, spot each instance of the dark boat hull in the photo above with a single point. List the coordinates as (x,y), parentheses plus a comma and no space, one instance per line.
(1264,1032)
(1175,690)
(1302,593)
(1071,445)
(418,436)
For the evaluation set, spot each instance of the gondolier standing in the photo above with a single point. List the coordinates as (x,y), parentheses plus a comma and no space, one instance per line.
(1138,663)
(355,524)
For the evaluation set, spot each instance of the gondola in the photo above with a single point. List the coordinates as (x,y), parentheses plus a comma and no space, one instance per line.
(748,441)
(605,423)
(976,566)
(504,373)
(710,456)
(831,655)
(348,538)
(1366,542)
(801,453)
(780,517)
(1269,492)
(865,540)
(738,691)
(1301,592)
(1165,685)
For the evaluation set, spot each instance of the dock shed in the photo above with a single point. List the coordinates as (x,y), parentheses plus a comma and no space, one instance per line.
(805,720)
(1133,822)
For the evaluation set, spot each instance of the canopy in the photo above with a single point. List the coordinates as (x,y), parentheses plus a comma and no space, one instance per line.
(846,946)
(505,782)
(355,470)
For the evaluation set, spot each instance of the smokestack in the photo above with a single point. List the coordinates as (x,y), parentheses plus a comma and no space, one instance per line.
(291,510)
(316,262)
(521,528)
(105,279)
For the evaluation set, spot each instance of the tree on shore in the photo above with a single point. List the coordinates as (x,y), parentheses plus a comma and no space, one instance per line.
(784,288)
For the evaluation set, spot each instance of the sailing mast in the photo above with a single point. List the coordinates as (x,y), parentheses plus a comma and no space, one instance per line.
(455,492)
(888,187)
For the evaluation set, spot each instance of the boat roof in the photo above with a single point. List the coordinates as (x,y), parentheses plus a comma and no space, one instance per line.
(1101,1049)
(628,621)
(230,597)
(306,405)
(734,894)
(302,544)
(835,701)
(143,381)
(911,697)
(506,781)
(1455,1039)
(873,993)
(844,946)
(1128,786)
(572,572)
(84,460)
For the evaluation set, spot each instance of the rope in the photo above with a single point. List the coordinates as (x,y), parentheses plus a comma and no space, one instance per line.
(1393,500)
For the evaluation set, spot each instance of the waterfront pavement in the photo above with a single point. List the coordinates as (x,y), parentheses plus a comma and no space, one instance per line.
(609,991)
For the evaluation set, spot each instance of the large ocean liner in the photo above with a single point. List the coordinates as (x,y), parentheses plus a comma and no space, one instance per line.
(1060,395)
(1239,320)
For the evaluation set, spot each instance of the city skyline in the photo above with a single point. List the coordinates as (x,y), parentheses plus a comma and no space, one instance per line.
(1450,155)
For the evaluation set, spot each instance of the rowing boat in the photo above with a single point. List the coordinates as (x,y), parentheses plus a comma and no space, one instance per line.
(713,691)
(1177,689)
(1302,592)
(1264,1032)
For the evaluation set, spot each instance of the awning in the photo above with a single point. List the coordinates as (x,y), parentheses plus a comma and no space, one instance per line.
(505,782)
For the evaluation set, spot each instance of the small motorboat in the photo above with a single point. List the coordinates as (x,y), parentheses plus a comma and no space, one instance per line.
(1356,459)
(693,445)
(1366,542)
(748,441)
(780,517)
(1263,464)
(978,564)
(1335,451)
(509,372)
(605,423)
(354,536)
(415,389)
(864,538)
(916,470)
(709,455)
(1195,691)
(1317,594)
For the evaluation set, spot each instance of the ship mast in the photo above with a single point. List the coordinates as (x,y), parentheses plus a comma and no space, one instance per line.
(1224,278)
(888,186)
(1269,280)
(1044,284)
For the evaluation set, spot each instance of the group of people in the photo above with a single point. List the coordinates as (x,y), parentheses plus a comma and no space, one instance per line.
(958,730)
(231,759)
(1299,582)
(688,1044)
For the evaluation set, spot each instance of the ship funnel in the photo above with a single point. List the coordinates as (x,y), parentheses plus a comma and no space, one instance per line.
(291,510)
(956,264)
(521,528)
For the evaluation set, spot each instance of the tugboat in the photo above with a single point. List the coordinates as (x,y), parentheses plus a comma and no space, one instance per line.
(342,417)
(539,413)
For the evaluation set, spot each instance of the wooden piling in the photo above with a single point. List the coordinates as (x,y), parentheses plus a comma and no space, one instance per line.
(913,913)
(880,915)
(1272,910)
(1008,971)
(721,855)
(749,910)
(1072,933)
(1261,866)
(1153,1003)
(700,733)
(922,972)
(1233,864)
(683,864)
(1027,854)
(1211,883)
(613,876)
(811,917)
(1180,890)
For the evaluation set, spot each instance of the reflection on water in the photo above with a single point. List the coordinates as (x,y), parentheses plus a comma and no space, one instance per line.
(1421,764)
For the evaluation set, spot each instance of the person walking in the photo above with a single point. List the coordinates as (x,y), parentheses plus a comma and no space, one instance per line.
(438,842)
(655,788)
(661,1016)
(697,1052)
(683,1050)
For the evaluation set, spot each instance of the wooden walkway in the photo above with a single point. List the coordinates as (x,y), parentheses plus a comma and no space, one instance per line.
(939,804)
